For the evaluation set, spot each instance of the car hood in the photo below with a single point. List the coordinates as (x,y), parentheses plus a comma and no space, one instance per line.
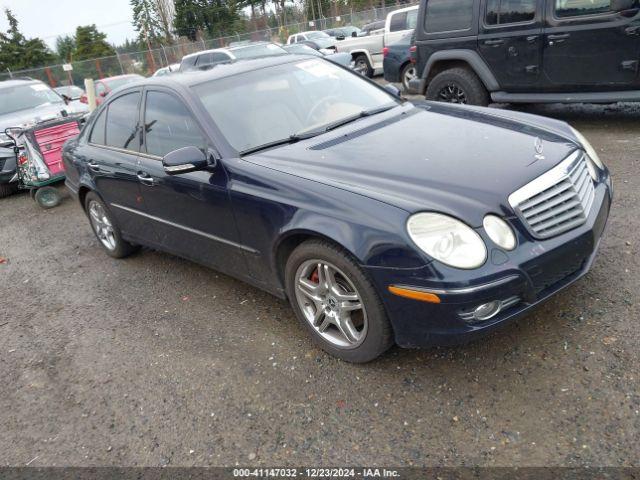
(31,115)
(462,161)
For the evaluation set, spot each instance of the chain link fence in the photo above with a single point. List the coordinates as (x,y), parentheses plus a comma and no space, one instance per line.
(148,61)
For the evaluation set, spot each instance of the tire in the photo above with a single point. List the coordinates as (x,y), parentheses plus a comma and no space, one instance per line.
(369,326)
(47,197)
(362,66)
(105,228)
(407,72)
(458,85)
(7,189)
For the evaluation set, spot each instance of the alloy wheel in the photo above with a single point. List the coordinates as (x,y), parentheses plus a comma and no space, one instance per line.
(452,93)
(102,225)
(331,304)
(361,67)
(409,74)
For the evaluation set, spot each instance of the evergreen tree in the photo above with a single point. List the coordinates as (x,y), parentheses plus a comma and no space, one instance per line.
(91,43)
(17,52)
(146,21)
(65,47)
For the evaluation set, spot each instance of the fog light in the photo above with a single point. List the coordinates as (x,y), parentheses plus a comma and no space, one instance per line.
(487,310)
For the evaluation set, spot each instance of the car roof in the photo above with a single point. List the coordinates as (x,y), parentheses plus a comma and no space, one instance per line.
(219,71)
(116,77)
(225,49)
(18,81)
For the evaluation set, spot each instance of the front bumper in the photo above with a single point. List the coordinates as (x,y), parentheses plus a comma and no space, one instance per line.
(532,273)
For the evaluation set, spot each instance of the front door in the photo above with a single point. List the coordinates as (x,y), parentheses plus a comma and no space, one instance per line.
(191,211)
(111,156)
(589,46)
(510,41)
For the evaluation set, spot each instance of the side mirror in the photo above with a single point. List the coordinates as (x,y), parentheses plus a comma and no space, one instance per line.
(183,160)
(393,90)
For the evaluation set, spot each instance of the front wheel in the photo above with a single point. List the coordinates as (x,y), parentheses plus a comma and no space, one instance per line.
(361,66)
(105,228)
(458,85)
(336,303)
(7,189)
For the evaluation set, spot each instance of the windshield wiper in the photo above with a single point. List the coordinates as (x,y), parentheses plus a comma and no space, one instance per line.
(344,121)
(306,134)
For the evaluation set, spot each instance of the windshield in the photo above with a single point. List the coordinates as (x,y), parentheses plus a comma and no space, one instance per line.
(317,35)
(24,97)
(258,51)
(71,92)
(272,104)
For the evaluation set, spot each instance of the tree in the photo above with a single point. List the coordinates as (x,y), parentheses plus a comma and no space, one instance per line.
(17,52)
(212,17)
(145,20)
(65,48)
(91,43)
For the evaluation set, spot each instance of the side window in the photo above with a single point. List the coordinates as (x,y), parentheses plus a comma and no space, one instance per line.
(169,125)
(100,88)
(575,8)
(97,131)
(218,57)
(448,15)
(122,122)
(398,22)
(204,59)
(412,19)
(501,12)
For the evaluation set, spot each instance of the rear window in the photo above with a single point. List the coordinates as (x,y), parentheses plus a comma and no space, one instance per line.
(501,12)
(403,21)
(448,15)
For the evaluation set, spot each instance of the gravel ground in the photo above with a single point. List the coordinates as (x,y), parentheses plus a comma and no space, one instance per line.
(156,361)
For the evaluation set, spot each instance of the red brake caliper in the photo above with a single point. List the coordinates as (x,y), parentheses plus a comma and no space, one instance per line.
(315,278)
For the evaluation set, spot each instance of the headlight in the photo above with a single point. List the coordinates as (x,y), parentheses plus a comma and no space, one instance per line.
(447,240)
(593,155)
(499,232)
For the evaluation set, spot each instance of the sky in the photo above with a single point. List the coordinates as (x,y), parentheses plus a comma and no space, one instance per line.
(49,19)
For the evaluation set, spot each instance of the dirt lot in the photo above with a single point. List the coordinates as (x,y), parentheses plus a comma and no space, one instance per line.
(156,361)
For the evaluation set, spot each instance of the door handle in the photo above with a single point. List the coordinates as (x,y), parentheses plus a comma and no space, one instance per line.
(558,38)
(93,166)
(146,179)
(494,43)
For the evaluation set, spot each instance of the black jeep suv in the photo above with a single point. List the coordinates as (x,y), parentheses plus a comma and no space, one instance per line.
(528,51)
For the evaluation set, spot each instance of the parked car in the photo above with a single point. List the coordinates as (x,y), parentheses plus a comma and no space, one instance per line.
(168,70)
(397,64)
(372,28)
(310,48)
(528,51)
(340,33)
(104,86)
(208,58)
(321,38)
(72,95)
(366,52)
(23,101)
(375,217)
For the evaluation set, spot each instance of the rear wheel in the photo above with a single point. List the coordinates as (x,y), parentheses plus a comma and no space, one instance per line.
(105,228)
(361,65)
(458,85)
(7,189)
(336,303)
(407,74)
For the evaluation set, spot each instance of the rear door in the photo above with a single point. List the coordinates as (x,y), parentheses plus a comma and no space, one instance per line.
(111,155)
(510,41)
(591,46)
(191,211)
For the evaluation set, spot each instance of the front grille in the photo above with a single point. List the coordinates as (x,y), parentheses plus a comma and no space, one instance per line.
(557,201)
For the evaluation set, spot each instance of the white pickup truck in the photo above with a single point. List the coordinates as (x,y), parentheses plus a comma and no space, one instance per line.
(366,52)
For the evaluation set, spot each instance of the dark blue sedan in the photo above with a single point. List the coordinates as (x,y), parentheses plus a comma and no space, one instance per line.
(379,220)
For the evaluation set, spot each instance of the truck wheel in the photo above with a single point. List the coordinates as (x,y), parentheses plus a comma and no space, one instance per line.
(458,85)
(361,65)
(7,189)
